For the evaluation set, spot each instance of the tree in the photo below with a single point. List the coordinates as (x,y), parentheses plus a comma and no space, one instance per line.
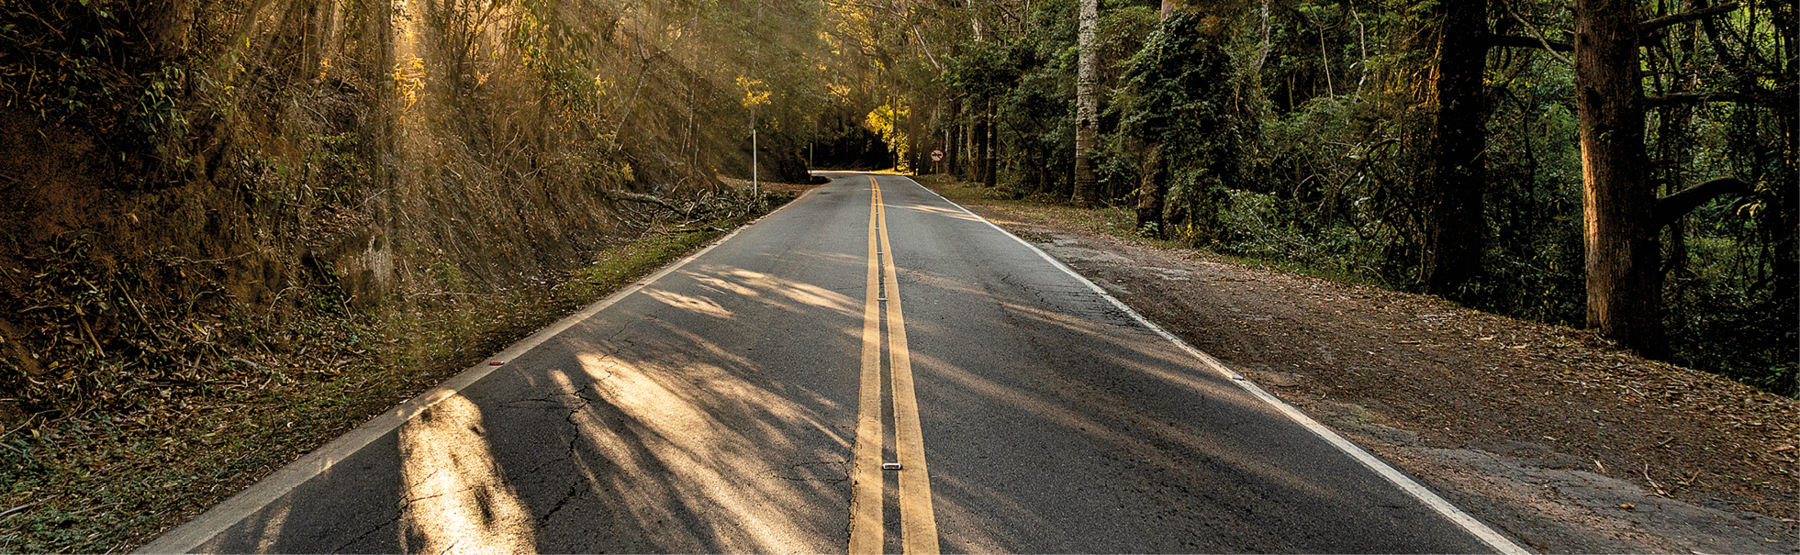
(1153,172)
(1086,104)
(1622,250)
(1178,108)
(1455,228)
(1622,215)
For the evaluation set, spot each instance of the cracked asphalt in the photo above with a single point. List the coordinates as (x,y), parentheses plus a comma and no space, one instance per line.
(715,409)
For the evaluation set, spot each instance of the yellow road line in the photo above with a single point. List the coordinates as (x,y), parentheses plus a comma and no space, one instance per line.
(918,524)
(865,500)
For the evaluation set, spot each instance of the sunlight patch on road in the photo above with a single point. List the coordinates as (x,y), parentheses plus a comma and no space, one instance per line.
(945,212)
(669,456)
(1121,416)
(457,499)
(701,305)
(779,292)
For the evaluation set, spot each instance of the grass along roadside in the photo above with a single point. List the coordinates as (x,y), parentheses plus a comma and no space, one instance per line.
(104,482)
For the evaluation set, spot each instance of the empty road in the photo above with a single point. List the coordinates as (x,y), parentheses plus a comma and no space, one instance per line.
(755,397)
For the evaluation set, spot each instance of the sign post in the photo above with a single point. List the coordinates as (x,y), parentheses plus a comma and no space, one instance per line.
(937,155)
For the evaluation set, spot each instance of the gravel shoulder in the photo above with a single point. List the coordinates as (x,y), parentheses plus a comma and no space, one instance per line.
(1548,433)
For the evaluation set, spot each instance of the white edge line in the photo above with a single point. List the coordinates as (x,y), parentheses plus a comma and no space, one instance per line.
(1469,523)
(186,537)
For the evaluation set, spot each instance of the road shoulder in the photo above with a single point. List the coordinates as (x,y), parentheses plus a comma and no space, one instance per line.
(1543,431)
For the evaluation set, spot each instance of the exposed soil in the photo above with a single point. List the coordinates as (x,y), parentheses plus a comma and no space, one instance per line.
(1547,433)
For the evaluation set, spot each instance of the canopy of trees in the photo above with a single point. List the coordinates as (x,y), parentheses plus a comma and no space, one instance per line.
(1626,165)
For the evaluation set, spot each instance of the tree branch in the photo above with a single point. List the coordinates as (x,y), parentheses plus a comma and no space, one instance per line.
(646,199)
(1700,97)
(1679,204)
(1514,41)
(1676,19)
(927,49)
(1539,35)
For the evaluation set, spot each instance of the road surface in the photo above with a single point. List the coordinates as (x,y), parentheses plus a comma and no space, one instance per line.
(755,398)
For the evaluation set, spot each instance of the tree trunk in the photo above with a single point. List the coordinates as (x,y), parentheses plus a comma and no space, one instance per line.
(988,145)
(1624,286)
(975,135)
(1087,103)
(1153,177)
(1153,172)
(971,145)
(977,123)
(1675,146)
(1456,227)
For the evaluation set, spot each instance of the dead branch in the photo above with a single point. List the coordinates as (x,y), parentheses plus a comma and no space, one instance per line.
(643,198)
(1693,15)
(1679,204)
(1515,41)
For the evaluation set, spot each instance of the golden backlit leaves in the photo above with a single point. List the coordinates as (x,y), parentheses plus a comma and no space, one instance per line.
(756,93)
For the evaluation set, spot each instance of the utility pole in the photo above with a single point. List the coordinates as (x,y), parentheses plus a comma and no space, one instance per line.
(755,183)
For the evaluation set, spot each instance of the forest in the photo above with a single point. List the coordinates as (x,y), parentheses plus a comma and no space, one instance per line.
(1627,166)
(220,218)
(187,181)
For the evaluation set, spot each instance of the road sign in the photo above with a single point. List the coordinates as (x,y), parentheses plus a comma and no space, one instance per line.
(937,155)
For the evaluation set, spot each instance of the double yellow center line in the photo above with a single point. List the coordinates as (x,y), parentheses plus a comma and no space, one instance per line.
(918,527)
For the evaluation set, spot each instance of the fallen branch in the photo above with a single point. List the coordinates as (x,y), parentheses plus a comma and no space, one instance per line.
(1653,484)
(21,508)
(643,198)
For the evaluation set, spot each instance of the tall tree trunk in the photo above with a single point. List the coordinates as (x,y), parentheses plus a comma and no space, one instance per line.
(971,145)
(1152,171)
(1153,175)
(977,124)
(1456,228)
(912,137)
(1624,286)
(988,146)
(1087,103)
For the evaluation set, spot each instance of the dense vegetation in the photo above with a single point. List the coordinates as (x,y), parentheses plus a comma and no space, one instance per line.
(185,180)
(189,186)
(231,229)
(208,207)
(1426,146)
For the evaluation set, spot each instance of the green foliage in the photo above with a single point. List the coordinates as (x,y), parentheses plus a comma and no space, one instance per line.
(1535,266)
(103,66)
(984,71)
(1179,92)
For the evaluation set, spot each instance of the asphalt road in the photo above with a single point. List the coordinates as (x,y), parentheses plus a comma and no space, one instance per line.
(745,400)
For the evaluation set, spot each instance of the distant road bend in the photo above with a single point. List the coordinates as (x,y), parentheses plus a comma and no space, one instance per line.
(870,368)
